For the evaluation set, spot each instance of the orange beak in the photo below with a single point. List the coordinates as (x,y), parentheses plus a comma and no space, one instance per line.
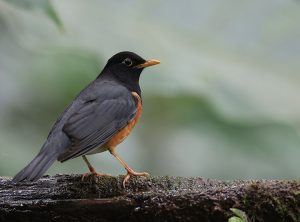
(148,63)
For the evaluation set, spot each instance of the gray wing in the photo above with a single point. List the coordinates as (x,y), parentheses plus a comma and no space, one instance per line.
(96,121)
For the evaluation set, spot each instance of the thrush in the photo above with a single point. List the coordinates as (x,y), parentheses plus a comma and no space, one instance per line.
(98,119)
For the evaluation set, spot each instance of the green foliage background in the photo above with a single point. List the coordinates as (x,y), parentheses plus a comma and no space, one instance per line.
(224,103)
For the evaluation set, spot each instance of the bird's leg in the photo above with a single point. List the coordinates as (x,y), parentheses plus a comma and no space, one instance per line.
(130,172)
(92,169)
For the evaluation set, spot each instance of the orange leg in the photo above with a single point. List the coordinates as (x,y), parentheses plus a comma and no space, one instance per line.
(92,169)
(130,172)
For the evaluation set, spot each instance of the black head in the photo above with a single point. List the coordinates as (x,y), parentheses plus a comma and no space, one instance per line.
(126,68)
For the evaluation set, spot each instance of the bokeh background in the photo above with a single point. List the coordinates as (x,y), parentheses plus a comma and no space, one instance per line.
(224,103)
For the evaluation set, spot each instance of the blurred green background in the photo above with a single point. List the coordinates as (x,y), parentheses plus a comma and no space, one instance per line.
(224,103)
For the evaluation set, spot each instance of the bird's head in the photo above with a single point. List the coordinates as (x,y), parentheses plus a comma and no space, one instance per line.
(126,67)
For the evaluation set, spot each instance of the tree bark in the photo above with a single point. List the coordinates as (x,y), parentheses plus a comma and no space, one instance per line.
(69,198)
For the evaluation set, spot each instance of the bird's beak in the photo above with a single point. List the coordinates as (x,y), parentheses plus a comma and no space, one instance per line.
(148,63)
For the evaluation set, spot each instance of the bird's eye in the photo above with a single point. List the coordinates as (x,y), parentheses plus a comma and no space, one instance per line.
(127,62)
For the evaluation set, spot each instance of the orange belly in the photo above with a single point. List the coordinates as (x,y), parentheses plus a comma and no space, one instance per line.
(120,136)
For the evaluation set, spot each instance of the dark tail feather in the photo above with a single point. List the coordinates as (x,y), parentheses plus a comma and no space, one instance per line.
(36,168)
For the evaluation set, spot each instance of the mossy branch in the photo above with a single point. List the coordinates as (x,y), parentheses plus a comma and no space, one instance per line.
(69,198)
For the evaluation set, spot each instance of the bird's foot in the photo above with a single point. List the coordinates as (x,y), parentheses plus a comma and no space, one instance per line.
(95,174)
(133,173)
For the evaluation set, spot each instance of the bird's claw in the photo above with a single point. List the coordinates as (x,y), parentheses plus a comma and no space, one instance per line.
(95,174)
(133,173)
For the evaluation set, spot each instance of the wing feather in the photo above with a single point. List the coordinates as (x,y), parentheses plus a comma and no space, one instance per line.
(95,122)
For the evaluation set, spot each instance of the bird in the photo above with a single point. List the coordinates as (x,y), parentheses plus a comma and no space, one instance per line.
(100,117)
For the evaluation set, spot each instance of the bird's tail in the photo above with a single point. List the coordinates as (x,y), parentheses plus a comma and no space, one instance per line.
(37,167)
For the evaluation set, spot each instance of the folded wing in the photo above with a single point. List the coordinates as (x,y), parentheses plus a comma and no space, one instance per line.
(96,121)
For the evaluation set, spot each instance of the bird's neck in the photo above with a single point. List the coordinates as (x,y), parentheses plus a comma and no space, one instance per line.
(133,87)
(131,84)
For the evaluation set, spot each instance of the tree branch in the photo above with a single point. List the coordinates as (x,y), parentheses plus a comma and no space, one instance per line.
(69,198)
